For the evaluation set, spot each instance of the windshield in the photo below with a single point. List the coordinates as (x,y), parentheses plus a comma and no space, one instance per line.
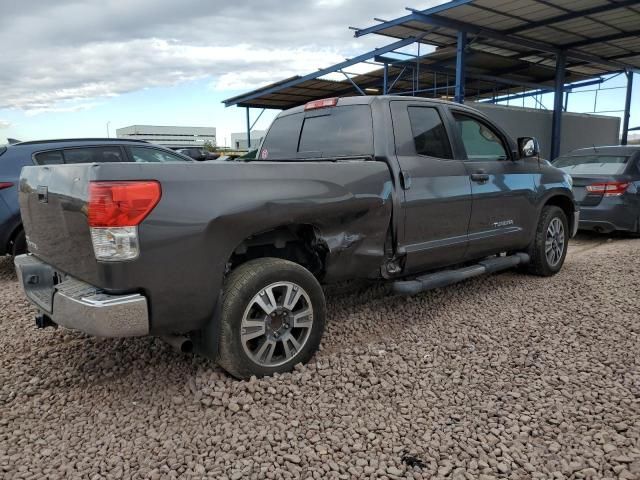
(592,164)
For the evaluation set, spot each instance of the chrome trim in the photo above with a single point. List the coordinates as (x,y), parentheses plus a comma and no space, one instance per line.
(81,306)
(576,223)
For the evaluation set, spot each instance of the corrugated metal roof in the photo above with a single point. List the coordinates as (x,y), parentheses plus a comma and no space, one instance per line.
(609,29)
(515,40)
(435,70)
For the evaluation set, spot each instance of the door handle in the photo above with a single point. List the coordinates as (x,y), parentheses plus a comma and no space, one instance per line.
(480,176)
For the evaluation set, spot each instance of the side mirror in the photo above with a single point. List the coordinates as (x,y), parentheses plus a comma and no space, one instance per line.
(528,147)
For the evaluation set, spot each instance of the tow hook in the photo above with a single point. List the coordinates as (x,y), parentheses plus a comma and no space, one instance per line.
(43,321)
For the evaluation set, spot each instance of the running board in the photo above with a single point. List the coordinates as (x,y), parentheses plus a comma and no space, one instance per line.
(447,277)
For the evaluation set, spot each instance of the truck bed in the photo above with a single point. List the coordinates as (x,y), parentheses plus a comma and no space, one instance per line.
(206,211)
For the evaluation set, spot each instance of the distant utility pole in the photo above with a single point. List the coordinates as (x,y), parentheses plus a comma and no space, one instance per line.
(108,123)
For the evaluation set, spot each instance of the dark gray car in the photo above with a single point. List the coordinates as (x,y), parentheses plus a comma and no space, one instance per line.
(59,152)
(231,255)
(606,184)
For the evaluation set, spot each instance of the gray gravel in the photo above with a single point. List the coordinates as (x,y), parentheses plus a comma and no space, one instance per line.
(501,377)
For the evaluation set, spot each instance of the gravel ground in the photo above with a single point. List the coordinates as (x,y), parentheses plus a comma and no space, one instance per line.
(506,376)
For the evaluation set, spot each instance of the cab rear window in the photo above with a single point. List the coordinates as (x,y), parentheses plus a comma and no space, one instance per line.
(330,132)
(596,164)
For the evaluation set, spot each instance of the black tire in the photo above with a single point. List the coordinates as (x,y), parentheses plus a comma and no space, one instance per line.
(241,289)
(19,244)
(539,264)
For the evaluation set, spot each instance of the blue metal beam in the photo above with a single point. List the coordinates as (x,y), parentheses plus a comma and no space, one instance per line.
(570,16)
(334,68)
(627,109)
(606,38)
(248,130)
(439,21)
(385,80)
(397,78)
(513,39)
(434,67)
(400,20)
(446,22)
(256,120)
(360,91)
(556,124)
(567,88)
(461,67)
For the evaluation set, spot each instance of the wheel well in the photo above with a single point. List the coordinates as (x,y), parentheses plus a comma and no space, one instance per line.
(297,243)
(565,204)
(16,231)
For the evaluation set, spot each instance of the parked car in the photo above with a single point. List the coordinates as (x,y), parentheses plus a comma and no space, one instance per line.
(199,154)
(53,152)
(231,255)
(606,185)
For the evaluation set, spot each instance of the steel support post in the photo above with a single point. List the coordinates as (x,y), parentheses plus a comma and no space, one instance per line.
(248,130)
(556,124)
(460,67)
(627,109)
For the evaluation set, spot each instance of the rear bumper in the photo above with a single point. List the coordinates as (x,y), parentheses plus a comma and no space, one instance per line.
(610,216)
(80,306)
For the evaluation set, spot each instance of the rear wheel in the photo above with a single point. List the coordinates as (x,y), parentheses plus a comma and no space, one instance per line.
(273,316)
(19,244)
(549,247)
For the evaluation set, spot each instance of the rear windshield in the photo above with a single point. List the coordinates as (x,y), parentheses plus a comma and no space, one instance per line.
(331,132)
(592,164)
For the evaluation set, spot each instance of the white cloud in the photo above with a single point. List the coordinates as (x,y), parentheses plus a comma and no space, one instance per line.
(66,54)
(61,107)
(4,124)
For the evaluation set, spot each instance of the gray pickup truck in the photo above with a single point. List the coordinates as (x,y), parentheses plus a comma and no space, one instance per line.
(229,257)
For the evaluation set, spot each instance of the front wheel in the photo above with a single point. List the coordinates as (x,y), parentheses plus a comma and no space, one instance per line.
(549,247)
(273,317)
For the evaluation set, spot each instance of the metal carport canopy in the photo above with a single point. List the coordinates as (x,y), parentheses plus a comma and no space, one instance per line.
(586,36)
(574,39)
(597,36)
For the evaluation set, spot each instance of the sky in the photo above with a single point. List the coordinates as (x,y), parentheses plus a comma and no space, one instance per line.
(71,68)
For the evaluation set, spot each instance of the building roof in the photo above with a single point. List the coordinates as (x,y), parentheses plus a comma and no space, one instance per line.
(512,45)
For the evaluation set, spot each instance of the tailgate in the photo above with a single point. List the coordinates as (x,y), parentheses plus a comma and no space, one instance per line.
(54,214)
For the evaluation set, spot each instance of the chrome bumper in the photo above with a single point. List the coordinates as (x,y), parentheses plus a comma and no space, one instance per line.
(80,306)
(576,223)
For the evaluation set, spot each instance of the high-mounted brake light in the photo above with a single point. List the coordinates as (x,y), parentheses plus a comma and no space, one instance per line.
(122,204)
(115,211)
(608,189)
(4,185)
(324,103)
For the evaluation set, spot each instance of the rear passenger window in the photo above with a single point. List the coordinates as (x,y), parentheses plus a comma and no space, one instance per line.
(342,131)
(429,134)
(93,155)
(282,138)
(49,158)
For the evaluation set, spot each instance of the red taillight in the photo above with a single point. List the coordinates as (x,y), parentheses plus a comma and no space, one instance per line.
(324,103)
(608,189)
(122,204)
(4,185)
